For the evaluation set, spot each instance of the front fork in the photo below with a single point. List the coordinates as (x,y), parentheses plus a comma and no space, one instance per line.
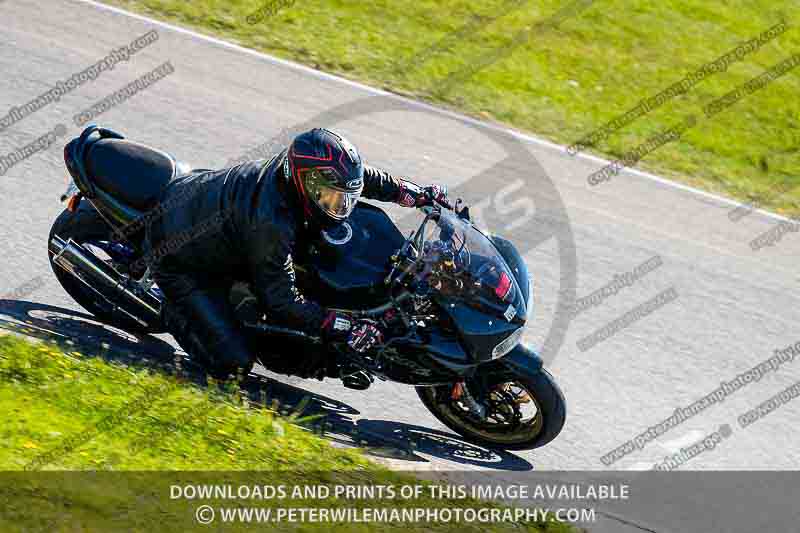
(461,393)
(519,360)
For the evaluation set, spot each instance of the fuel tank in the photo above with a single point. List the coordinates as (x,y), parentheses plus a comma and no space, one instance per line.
(347,266)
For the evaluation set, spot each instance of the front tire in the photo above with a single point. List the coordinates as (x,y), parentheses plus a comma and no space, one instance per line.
(543,392)
(82,226)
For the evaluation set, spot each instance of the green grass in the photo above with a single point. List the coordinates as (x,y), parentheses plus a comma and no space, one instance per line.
(83,413)
(561,83)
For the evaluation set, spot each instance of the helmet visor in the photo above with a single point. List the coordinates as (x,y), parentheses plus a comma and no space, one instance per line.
(338,204)
(333,201)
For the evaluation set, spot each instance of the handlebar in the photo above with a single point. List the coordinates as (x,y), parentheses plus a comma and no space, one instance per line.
(432,201)
(445,204)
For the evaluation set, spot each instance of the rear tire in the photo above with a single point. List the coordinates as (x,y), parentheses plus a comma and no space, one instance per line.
(542,388)
(83,225)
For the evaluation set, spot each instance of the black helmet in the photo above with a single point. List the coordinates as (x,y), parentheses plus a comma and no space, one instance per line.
(328,174)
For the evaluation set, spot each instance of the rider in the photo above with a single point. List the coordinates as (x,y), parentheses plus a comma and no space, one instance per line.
(265,211)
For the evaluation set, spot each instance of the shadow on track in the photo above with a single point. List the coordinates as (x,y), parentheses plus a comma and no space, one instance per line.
(333,419)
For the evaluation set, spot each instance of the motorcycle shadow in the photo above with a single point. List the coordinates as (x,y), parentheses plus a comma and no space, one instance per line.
(330,418)
(338,422)
(444,446)
(76,331)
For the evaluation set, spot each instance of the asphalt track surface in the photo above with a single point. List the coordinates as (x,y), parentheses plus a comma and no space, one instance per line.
(734,305)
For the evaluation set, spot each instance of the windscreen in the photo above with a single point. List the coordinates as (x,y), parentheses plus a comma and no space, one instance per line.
(461,264)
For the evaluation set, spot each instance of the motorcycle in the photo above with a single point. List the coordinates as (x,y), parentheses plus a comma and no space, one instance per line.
(452,300)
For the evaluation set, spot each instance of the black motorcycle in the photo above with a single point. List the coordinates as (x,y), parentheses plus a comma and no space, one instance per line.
(452,300)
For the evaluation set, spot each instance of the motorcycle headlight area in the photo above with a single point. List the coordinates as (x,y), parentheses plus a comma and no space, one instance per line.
(508,344)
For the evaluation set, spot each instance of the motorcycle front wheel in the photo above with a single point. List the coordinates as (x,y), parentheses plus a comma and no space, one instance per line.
(519,411)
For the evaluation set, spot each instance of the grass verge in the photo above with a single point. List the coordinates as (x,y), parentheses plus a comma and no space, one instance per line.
(72,413)
(559,68)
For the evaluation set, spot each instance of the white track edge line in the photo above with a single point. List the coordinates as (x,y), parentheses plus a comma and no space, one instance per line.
(458,116)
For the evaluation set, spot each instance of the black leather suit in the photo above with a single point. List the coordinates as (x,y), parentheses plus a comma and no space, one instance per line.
(240,223)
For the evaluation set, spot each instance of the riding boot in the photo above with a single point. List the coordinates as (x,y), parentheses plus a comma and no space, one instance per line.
(355,378)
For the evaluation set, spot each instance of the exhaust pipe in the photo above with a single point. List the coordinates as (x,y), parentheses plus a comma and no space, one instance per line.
(145,308)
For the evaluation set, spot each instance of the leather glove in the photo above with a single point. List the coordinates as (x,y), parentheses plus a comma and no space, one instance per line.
(412,195)
(360,335)
(364,336)
(433,194)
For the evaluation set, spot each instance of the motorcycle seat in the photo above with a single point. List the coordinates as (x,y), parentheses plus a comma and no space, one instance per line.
(132,173)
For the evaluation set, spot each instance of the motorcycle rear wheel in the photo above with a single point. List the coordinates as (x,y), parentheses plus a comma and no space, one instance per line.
(542,391)
(82,226)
